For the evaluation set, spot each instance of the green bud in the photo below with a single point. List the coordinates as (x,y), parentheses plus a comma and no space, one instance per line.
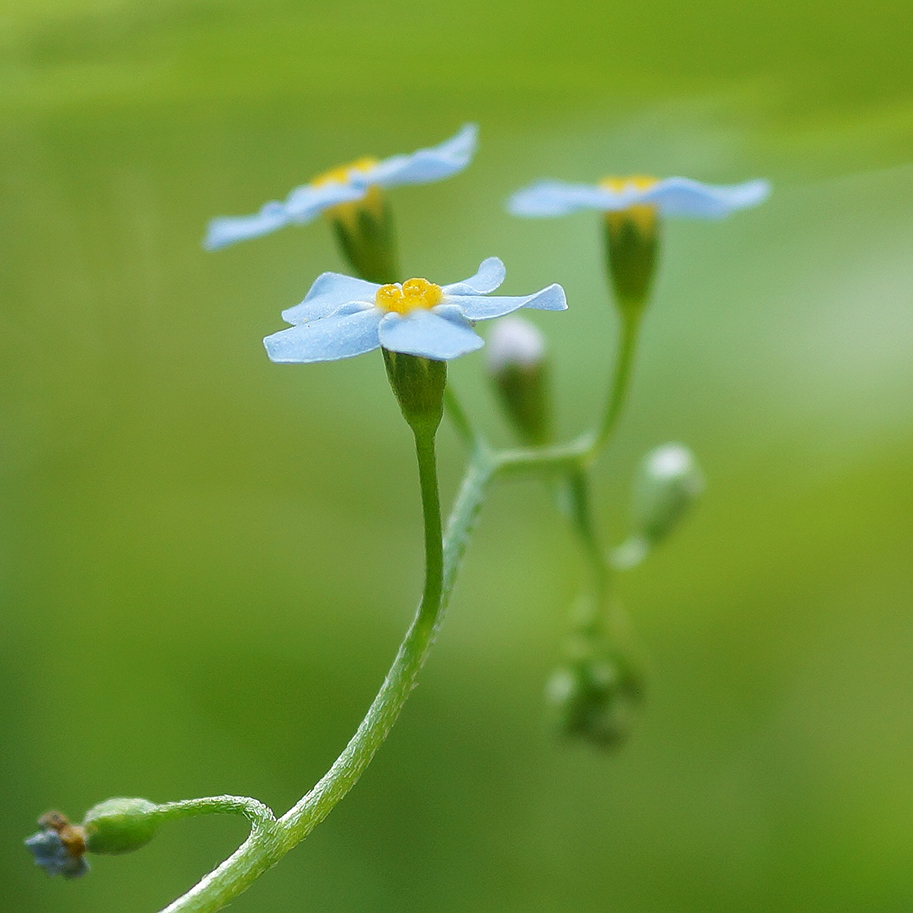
(631,242)
(517,365)
(419,387)
(668,482)
(595,696)
(120,825)
(364,232)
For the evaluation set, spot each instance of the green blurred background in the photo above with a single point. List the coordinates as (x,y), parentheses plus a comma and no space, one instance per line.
(206,561)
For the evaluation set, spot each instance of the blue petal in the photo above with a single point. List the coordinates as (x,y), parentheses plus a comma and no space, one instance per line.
(52,855)
(558,198)
(426,165)
(329,292)
(684,197)
(428,334)
(334,337)
(301,205)
(309,200)
(484,308)
(673,196)
(490,275)
(229,229)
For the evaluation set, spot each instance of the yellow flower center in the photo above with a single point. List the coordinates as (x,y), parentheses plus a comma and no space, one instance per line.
(412,294)
(634,182)
(347,213)
(341,174)
(641,215)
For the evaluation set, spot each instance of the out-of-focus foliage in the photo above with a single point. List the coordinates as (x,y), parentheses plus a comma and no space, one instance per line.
(206,560)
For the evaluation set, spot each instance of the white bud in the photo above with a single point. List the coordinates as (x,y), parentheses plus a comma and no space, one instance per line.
(514,342)
(668,483)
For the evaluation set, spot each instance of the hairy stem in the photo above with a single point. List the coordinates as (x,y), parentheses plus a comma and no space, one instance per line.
(268,842)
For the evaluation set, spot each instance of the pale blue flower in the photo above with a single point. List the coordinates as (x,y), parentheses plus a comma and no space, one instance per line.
(346,185)
(670,196)
(342,316)
(52,855)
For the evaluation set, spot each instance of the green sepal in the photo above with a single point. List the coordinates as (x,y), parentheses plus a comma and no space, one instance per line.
(419,387)
(120,825)
(631,247)
(366,237)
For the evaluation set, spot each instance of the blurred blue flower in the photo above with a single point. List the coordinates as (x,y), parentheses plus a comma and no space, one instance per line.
(670,196)
(346,185)
(342,316)
(53,855)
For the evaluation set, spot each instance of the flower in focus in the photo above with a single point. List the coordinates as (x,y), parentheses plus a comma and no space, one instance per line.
(342,316)
(345,185)
(668,197)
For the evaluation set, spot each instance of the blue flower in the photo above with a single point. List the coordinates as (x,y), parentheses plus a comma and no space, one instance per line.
(670,196)
(55,856)
(342,316)
(347,184)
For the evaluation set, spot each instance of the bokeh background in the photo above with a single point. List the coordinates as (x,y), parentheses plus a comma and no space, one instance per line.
(206,561)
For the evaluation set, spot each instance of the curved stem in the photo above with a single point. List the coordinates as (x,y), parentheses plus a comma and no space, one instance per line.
(256,812)
(300,820)
(630,326)
(267,844)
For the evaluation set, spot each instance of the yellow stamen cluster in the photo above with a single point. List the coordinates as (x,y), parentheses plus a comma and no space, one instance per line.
(412,294)
(641,215)
(341,174)
(634,182)
(347,213)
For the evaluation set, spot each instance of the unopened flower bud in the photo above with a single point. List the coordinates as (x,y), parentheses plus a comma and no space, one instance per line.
(418,384)
(120,825)
(595,696)
(668,482)
(516,361)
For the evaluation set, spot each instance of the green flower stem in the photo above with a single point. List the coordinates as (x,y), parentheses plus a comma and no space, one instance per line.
(554,459)
(269,841)
(630,327)
(256,812)
(583,524)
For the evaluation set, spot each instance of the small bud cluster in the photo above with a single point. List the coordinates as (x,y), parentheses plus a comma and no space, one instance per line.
(595,694)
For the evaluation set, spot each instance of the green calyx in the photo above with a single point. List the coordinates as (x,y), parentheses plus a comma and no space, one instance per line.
(365,234)
(120,825)
(419,387)
(631,246)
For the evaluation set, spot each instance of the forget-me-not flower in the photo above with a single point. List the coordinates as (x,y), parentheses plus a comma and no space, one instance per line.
(632,208)
(59,847)
(347,184)
(668,197)
(342,316)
